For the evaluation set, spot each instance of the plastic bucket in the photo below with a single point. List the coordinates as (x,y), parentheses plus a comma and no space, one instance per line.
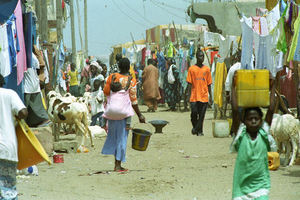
(140,139)
(59,158)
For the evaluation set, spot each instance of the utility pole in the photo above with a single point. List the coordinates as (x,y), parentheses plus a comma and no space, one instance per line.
(73,32)
(44,20)
(59,21)
(85,29)
(38,14)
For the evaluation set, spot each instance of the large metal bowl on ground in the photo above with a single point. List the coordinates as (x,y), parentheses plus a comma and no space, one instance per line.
(158,125)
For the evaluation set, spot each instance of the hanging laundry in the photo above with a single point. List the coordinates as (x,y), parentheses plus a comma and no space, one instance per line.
(282,44)
(263,26)
(294,40)
(261,12)
(170,53)
(273,17)
(21,56)
(220,77)
(283,6)
(247,43)
(13,46)
(5,68)
(28,37)
(256,24)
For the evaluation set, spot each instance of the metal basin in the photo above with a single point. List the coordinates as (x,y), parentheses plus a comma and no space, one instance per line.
(158,125)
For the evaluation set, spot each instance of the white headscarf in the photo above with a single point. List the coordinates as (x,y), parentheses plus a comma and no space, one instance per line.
(95,63)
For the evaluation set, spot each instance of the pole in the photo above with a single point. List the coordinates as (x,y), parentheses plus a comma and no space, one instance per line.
(59,21)
(38,15)
(44,20)
(79,25)
(73,32)
(85,29)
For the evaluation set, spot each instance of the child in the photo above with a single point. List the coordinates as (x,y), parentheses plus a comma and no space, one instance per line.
(96,103)
(251,179)
(116,86)
(73,73)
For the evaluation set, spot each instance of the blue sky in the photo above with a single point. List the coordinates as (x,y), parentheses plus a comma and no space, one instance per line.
(111,21)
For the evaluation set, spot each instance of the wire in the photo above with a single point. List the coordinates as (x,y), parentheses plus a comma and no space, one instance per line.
(167,10)
(169,6)
(128,15)
(138,13)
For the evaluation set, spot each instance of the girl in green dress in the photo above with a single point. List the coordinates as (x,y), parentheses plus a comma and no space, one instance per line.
(251,179)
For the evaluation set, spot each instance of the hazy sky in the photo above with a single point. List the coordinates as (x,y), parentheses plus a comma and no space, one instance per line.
(111,21)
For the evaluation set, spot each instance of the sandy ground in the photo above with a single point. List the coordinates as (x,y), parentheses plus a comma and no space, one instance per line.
(176,165)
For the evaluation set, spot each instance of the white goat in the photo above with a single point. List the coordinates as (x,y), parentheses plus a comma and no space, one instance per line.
(286,131)
(63,110)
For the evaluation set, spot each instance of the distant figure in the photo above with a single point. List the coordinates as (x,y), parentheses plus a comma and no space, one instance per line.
(150,86)
(95,70)
(115,68)
(199,84)
(171,90)
(84,77)
(96,103)
(73,86)
(11,107)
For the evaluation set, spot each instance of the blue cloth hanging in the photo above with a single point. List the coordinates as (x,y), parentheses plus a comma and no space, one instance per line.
(11,83)
(27,21)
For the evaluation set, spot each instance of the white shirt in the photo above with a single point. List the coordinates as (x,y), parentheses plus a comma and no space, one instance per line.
(230,74)
(97,102)
(10,105)
(31,78)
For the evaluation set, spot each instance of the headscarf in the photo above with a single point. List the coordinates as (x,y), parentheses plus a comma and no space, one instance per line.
(95,63)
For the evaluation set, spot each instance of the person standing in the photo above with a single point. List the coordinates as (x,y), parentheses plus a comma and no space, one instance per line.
(150,86)
(11,106)
(171,88)
(95,70)
(33,97)
(116,141)
(73,74)
(199,84)
(115,68)
(96,102)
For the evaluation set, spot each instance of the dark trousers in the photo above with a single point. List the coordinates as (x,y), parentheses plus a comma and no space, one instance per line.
(97,117)
(198,110)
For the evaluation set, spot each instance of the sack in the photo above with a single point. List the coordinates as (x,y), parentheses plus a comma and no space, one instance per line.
(171,78)
(118,106)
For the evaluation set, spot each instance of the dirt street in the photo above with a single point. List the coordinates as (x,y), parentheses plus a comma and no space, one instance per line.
(176,166)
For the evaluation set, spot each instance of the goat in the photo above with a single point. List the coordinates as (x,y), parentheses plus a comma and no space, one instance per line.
(286,131)
(62,110)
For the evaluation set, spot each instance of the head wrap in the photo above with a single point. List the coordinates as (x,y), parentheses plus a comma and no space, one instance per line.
(95,63)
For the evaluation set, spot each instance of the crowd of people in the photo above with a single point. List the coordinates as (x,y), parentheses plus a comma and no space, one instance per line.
(114,100)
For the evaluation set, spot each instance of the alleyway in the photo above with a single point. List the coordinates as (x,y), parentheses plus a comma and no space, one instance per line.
(177,165)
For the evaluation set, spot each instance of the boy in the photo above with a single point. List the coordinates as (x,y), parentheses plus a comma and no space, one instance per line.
(251,179)
(96,103)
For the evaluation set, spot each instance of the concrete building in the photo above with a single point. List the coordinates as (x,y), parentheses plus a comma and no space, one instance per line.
(223,17)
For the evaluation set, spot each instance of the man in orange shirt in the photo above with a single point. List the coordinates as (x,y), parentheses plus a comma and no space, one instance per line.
(199,82)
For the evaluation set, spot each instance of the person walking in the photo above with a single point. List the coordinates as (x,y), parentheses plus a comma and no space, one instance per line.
(150,86)
(11,106)
(171,85)
(116,141)
(253,141)
(199,84)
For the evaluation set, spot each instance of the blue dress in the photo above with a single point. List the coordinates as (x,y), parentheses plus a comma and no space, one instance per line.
(116,140)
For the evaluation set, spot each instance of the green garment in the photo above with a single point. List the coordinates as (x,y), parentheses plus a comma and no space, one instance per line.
(295,39)
(170,50)
(251,179)
(281,44)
